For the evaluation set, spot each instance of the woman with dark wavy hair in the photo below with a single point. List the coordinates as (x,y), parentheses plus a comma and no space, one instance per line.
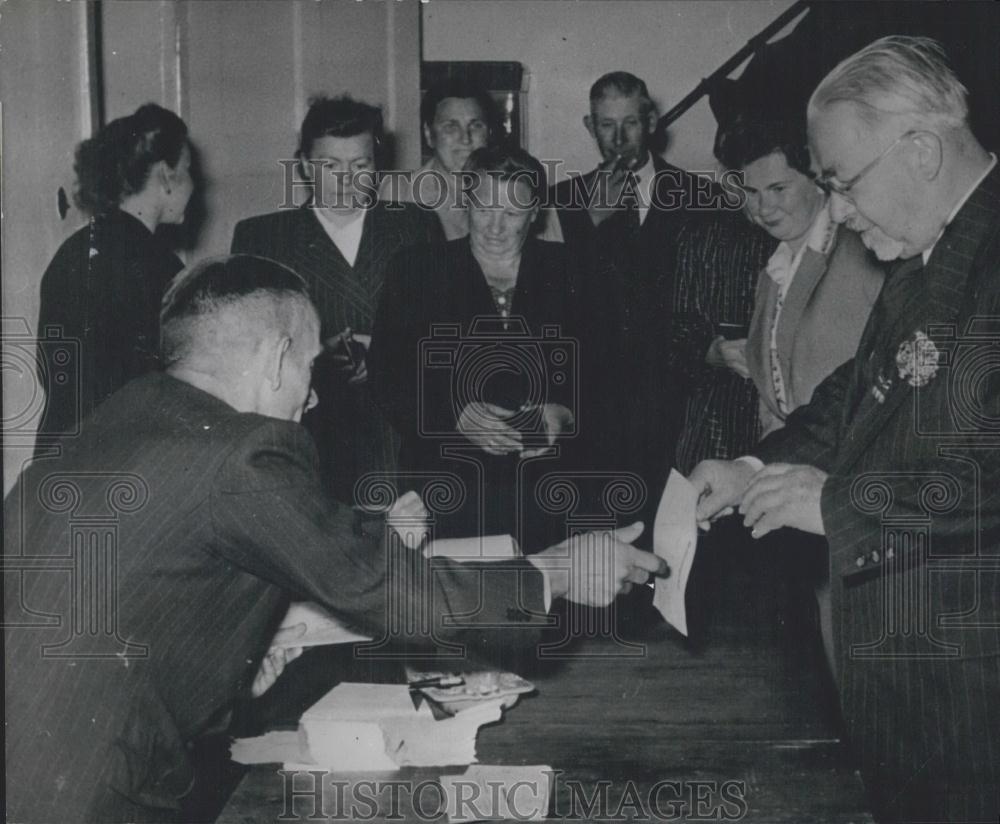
(341,241)
(102,289)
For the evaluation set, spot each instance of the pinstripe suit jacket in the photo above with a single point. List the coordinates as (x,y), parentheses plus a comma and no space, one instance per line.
(172,532)
(352,435)
(911,510)
(719,258)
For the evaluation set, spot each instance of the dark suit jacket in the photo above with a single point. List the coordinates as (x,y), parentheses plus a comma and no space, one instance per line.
(100,304)
(627,282)
(170,536)
(440,344)
(352,435)
(822,317)
(911,511)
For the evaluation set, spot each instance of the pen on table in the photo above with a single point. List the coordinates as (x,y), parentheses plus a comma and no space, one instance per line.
(437,681)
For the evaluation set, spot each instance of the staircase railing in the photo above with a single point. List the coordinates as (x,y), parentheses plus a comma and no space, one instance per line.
(752,45)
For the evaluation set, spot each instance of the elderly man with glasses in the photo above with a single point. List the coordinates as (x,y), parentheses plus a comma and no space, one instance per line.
(896,459)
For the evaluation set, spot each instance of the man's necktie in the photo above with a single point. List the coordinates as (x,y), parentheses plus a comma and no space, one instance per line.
(899,292)
(630,197)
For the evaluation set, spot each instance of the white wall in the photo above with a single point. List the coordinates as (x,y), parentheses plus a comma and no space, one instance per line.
(566,45)
(45,89)
(240,74)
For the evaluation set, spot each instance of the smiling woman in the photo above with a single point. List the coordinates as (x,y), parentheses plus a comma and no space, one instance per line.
(476,347)
(457,118)
(817,290)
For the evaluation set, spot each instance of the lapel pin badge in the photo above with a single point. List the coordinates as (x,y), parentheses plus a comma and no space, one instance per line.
(917,360)
(881,387)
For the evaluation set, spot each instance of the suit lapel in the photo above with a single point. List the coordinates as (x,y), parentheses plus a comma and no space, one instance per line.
(373,237)
(759,338)
(800,291)
(665,192)
(314,244)
(334,283)
(937,293)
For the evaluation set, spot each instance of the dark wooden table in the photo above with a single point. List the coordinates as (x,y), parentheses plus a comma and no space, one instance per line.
(738,726)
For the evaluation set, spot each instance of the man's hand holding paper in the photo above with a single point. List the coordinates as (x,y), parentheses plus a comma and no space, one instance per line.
(720,486)
(594,568)
(408,517)
(784,495)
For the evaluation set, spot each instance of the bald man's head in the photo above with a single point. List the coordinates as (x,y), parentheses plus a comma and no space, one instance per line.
(225,305)
(247,324)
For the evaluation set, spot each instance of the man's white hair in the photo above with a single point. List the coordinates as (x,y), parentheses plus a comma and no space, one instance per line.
(897,75)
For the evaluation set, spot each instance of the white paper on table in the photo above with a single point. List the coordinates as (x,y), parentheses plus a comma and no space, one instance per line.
(375,727)
(277,746)
(493,792)
(675,538)
(343,730)
(422,741)
(476,548)
(321,627)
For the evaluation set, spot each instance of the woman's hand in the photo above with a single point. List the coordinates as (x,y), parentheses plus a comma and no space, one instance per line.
(484,425)
(360,357)
(556,419)
(350,358)
(729,354)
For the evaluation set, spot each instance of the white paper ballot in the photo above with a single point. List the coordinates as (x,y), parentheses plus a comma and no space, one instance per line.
(321,627)
(374,727)
(675,537)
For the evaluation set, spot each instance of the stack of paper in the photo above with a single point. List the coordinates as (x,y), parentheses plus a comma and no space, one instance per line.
(476,548)
(374,727)
(321,627)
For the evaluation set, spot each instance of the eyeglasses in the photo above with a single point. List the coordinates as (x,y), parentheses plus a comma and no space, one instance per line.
(830,184)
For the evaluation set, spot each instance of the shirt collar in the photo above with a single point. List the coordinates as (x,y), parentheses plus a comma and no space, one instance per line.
(645,176)
(340,228)
(783,263)
(958,206)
